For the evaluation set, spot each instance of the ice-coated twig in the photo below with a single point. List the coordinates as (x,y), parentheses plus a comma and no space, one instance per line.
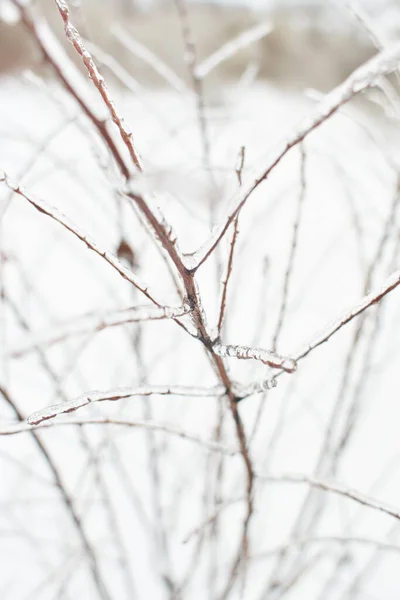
(69,75)
(361,79)
(239,173)
(75,39)
(257,387)
(333,487)
(137,49)
(97,322)
(227,276)
(55,214)
(271,359)
(372,298)
(120,394)
(232,47)
(23,426)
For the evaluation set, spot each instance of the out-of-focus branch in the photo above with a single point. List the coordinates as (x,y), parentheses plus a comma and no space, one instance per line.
(155,62)
(91,323)
(68,502)
(361,79)
(293,247)
(332,487)
(24,426)
(232,47)
(326,539)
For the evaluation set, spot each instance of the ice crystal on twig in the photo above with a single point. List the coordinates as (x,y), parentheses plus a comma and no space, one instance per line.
(271,359)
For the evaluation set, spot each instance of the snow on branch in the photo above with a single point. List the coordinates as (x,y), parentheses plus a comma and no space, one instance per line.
(245,352)
(361,79)
(75,39)
(372,298)
(137,49)
(55,214)
(91,323)
(120,394)
(235,45)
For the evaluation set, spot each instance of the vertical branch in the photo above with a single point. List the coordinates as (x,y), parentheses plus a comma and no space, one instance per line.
(239,171)
(191,61)
(293,247)
(75,39)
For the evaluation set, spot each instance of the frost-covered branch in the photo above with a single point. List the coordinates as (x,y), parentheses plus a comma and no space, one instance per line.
(120,394)
(372,298)
(271,359)
(361,79)
(227,277)
(232,47)
(69,75)
(332,487)
(75,39)
(55,214)
(155,62)
(91,323)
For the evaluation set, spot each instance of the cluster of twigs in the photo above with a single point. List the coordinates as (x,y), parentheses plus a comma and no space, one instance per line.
(190,315)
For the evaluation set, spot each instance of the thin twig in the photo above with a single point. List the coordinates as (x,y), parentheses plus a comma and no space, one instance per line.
(53,212)
(68,502)
(119,394)
(24,426)
(360,80)
(232,47)
(293,248)
(75,39)
(333,488)
(91,323)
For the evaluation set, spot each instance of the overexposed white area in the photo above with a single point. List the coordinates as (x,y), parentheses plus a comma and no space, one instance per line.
(140,493)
